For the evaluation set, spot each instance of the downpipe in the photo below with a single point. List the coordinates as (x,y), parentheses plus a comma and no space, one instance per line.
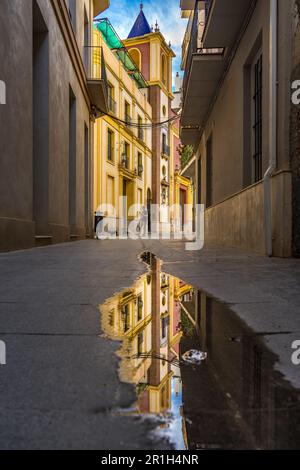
(273,127)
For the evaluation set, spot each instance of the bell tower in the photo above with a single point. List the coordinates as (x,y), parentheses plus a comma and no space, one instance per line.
(151,52)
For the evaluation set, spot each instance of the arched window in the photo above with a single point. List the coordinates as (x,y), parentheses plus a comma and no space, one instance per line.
(136,57)
(164,73)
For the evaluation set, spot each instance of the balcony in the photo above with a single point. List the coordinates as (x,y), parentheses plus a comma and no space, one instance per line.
(213,28)
(225,19)
(203,71)
(124,161)
(95,69)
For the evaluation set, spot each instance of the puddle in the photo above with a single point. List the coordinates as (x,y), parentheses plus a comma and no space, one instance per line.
(230,397)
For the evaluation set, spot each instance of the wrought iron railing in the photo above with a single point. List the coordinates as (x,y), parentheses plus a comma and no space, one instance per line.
(166,150)
(125,161)
(192,48)
(95,68)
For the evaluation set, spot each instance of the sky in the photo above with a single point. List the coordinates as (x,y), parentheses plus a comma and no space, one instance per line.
(123,13)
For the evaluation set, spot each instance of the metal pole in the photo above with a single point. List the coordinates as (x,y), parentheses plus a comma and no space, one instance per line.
(272,127)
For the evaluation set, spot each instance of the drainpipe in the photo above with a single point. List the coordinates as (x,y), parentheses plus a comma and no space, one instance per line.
(273,127)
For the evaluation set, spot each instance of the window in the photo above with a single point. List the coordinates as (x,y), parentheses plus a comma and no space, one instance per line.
(111,99)
(257,117)
(127,113)
(126,318)
(165,147)
(125,161)
(110,145)
(140,306)
(252,146)
(140,165)
(140,129)
(164,328)
(164,195)
(136,57)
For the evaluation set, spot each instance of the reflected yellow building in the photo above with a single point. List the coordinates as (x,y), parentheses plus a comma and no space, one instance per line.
(122,153)
(147,318)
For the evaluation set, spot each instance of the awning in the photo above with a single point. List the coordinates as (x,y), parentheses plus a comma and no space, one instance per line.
(225,19)
(116,44)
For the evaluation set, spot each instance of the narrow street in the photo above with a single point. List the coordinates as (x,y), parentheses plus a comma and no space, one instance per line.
(61,389)
(149,229)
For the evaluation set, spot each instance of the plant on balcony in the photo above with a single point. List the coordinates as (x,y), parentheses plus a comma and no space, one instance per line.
(186,152)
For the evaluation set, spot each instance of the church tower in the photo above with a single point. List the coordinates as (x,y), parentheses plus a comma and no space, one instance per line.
(154,56)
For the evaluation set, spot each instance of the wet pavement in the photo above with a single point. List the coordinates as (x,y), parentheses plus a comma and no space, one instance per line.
(228,396)
(64,386)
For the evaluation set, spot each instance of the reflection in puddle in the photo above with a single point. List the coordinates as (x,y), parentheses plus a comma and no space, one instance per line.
(199,369)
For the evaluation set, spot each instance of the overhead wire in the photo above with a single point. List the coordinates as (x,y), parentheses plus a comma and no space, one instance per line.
(137,125)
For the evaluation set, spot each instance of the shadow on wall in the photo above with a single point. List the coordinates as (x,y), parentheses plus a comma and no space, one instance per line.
(295,137)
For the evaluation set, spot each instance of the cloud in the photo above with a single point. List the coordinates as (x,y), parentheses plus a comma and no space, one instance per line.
(123,13)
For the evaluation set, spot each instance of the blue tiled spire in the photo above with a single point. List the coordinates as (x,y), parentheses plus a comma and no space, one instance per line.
(141,26)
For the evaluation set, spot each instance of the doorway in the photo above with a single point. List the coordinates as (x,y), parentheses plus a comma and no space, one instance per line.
(182,205)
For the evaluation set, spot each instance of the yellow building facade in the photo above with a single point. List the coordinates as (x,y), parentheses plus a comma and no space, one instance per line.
(137,144)
(123,144)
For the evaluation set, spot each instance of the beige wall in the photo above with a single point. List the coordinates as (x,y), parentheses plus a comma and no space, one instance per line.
(239,220)
(17,225)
